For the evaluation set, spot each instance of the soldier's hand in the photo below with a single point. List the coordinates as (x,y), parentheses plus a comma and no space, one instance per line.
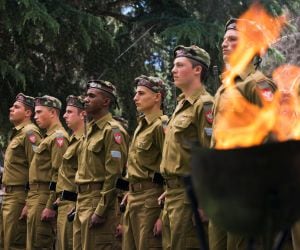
(202,215)
(124,200)
(96,220)
(161,199)
(24,212)
(157,228)
(119,231)
(48,214)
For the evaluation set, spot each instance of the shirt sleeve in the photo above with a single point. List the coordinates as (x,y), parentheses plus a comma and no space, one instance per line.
(115,153)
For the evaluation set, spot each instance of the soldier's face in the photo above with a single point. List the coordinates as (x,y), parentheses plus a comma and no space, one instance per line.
(17,113)
(42,116)
(145,99)
(95,101)
(184,73)
(73,117)
(229,44)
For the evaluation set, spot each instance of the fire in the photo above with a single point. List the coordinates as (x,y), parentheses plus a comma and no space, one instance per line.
(242,124)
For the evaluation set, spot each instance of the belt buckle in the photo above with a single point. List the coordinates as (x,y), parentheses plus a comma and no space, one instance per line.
(8,189)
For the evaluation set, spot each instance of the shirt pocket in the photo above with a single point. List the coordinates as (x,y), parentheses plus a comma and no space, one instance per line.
(146,155)
(96,146)
(183,135)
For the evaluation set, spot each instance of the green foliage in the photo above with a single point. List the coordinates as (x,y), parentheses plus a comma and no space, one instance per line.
(54,46)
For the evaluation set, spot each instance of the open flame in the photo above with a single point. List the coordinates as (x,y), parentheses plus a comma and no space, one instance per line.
(243,124)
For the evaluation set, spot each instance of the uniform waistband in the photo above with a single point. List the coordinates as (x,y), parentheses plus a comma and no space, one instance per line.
(143,185)
(14,188)
(41,186)
(90,186)
(175,182)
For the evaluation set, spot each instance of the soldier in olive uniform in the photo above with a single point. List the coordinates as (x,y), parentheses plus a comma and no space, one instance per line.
(142,225)
(43,174)
(66,188)
(253,86)
(103,153)
(24,139)
(190,122)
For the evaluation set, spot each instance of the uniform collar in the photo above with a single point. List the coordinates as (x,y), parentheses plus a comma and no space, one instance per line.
(52,129)
(77,135)
(22,125)
(248,71)
(100,123)
(151,117)
(194,96)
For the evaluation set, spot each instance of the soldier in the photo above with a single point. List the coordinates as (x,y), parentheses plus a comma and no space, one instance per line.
(43,174)
(103,153)
(66,188)
(142,225)
(24,139)
(253,86)
(191,121)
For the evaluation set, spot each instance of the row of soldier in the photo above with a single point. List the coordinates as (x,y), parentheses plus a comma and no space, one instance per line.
(54,179)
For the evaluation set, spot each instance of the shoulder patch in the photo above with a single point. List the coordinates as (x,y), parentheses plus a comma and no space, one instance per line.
(59,138)
(117,135)
(266,91)
(207,107)
(31,136)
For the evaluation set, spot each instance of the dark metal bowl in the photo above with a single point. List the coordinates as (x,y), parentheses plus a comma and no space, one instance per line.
(249,190)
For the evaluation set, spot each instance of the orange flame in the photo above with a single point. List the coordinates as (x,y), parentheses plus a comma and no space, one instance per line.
(287,78)
(243,124)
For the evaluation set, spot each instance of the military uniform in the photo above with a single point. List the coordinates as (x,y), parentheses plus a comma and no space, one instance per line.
(146,183)
(42,181)
(190,122)
(24,139)
(66,188)
(103,153)
(253,86)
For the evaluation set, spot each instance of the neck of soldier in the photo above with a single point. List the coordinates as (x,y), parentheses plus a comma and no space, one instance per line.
(78,128)
(102,112)
(53,122)
(190,88)
(153,110)
(25,120)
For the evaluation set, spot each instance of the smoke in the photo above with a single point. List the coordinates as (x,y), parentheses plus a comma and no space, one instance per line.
(285,50)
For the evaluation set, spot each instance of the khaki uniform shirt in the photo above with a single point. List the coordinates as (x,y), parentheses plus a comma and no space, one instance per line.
(19,153)
(252,85)
(102,157)
(146,147)
(67,171)
(190,122)
(48,158)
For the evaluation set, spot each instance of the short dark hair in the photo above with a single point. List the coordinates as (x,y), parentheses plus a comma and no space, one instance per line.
(204,71)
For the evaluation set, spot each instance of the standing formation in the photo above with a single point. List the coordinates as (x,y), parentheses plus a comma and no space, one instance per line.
(63,190)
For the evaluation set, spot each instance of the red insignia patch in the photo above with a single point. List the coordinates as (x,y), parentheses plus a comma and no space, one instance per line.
(60,141)
(267,94)
(209,116)
(32,138)
(118,137)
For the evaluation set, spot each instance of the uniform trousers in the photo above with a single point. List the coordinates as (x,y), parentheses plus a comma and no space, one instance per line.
(40,234)
(64,234)
(179,228)
(100,237)
(142,211)
(14,230)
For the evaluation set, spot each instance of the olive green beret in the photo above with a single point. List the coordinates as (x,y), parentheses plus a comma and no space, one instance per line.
(105,86)
(193,52)
(75,101)
(48,101)
(25,99)
(153,83)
